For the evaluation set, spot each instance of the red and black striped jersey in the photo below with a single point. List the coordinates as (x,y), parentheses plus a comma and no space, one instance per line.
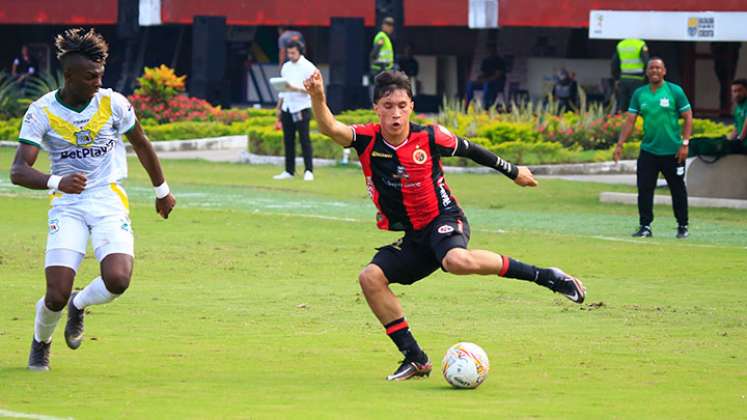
(406,182)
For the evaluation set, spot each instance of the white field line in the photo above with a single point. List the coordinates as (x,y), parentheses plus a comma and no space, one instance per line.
(498,231)
(18,415)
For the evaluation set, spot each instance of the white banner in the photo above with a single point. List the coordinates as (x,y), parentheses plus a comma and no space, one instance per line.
(668,26)
(150,12)
(483,14)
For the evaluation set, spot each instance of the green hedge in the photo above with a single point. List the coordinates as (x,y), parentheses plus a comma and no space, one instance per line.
(519,141)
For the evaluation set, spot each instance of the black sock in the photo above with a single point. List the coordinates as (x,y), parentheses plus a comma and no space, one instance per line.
(516,269)
(399,332)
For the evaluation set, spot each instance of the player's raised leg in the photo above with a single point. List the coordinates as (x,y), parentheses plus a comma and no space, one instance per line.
(462,261)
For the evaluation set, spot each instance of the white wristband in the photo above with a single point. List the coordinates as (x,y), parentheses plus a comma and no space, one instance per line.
(53,183)
(162,190)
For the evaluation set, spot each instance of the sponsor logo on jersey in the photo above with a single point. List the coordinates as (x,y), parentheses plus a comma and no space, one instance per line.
(95,151)
(445,229)
(401,173)
(54,226)
(381,155)
(419,156)
(445,199)
(664,102)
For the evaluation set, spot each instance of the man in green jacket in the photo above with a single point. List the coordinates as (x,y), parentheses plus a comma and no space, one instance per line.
(382,54)
(628,65)
(663,149)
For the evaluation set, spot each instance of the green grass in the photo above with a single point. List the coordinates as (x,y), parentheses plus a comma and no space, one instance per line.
(211,326)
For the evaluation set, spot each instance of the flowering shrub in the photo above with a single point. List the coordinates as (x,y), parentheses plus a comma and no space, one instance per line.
(176,108)
(160,97)
(159,84)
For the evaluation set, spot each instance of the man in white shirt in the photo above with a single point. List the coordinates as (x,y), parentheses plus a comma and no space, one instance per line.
(294,111)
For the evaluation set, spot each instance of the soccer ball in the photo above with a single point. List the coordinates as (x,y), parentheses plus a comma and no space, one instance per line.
(465,365)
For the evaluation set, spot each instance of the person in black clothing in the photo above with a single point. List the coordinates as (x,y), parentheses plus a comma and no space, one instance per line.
(565,92)
(491,80)
(409,65)
(24,66)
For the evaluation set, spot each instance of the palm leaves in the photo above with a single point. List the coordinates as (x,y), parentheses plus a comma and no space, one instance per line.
(42,83)
(10,96)
(15,97)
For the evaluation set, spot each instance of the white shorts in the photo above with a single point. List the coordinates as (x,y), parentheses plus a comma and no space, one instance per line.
(101,213)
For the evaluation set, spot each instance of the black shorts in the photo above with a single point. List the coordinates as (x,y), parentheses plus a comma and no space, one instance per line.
(419,253)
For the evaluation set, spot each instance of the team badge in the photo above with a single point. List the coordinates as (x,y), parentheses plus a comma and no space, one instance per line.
(54,226)
(83,137)
(125,225)
(664,102)
(419,156)
(445,229)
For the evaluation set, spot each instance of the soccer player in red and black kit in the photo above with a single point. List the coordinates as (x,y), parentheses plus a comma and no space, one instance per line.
(401,163)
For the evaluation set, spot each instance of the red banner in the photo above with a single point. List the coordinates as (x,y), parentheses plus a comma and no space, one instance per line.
(267,12)
(547,13)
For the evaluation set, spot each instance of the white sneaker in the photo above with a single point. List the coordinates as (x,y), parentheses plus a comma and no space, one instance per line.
(308,176)
(284,175)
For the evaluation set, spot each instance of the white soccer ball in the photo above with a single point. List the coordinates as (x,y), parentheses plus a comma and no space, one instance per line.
(465,365)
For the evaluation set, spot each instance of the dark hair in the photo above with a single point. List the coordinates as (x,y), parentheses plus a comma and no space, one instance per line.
(742,82)
(389,81)
(656,57)
(78,41)
(295,44)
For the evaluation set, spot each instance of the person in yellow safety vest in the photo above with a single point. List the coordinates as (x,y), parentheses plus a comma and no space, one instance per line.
(628,69)
(382,54)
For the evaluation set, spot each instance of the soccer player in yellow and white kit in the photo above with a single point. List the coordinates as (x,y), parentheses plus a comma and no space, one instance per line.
(81,126)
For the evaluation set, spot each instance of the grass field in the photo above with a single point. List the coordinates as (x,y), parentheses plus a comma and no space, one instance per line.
(245,304)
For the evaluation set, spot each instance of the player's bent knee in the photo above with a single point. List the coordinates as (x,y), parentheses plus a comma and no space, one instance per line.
(116,271)
(372,279)
(56,299)
(458,261)
(117,283)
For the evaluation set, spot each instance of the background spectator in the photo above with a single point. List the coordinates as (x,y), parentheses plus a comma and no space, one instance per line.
(294,111)
(725,58)
(739,99)
(565,91)
(382,53)
(491,80)
(286,36)
(24,66)
(409,65)
(627,68)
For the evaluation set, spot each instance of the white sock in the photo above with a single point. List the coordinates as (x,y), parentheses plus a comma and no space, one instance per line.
(94,294)
(45,322)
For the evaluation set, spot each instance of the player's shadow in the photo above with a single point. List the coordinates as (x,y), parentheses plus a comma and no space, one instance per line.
(442,387)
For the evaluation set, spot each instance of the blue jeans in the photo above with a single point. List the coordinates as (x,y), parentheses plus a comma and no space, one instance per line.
(489,91)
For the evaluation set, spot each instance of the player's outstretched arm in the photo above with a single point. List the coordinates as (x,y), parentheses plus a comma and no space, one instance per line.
(23,173)
(520,174)
(342,134)
(165,201)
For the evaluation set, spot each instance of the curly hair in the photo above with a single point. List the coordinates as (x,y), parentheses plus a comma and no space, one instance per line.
(88,44)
